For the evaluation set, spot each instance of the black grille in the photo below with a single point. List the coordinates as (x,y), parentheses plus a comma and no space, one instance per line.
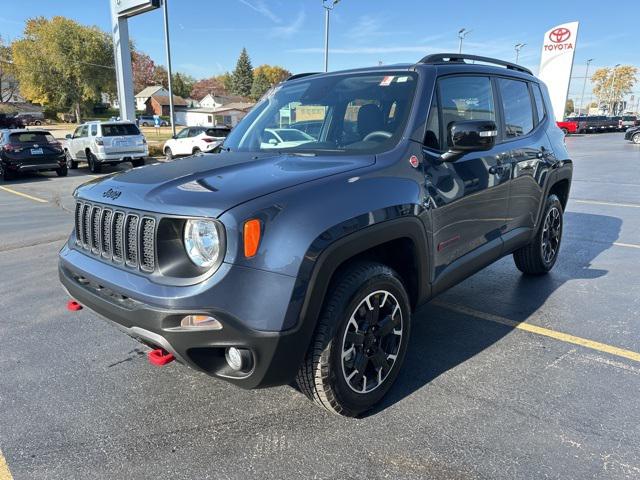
(131,240)
(117,236)
(118,244)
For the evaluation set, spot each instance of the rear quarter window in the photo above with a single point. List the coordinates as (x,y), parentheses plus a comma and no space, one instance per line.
(516,104)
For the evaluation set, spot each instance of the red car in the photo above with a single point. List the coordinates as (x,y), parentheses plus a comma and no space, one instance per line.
(568,127)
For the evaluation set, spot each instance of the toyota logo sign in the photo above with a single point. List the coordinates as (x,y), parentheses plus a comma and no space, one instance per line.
(559,35)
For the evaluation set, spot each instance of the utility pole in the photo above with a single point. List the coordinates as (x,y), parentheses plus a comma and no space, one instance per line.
(613,87)
(463,32)
(584,85)
(518,47)
(328,6)
(168,48)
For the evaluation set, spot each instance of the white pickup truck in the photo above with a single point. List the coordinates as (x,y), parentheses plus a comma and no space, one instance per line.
(99,143)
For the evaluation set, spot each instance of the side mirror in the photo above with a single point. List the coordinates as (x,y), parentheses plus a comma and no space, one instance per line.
(273,141)
(68,136)
(470,136)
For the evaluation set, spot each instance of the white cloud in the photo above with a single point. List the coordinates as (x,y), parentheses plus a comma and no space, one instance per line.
(261,7)
(291,29)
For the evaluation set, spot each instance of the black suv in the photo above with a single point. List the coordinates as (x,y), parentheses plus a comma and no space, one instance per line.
(305,259)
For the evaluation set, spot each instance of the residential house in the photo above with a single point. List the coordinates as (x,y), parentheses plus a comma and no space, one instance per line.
(159,105)
(217,101)
(229,115)
(147,93)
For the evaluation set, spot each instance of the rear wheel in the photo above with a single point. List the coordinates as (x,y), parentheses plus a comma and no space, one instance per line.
(137,162)
(94,166)
(636,138)
(565,131)
(5,174)
(540,256)
(196,150)
(360,341)
(62,171)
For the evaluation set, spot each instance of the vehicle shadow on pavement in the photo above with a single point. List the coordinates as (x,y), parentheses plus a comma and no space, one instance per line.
(442,339)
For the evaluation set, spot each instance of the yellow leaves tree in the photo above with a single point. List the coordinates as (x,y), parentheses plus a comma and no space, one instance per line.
(274,73)
(63,64)
(611,85)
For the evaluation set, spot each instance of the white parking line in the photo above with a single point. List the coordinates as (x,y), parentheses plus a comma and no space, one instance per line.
(610,204)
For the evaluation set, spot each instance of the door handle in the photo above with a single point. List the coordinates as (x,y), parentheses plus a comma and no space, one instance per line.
(496,170)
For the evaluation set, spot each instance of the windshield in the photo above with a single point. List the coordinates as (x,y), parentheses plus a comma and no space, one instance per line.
(350,113)
(118,129)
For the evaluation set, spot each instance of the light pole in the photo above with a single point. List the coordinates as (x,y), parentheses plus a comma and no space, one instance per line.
(584,85)
(518,47)
(168,48)
(613,88)
(328,6)
(463,32)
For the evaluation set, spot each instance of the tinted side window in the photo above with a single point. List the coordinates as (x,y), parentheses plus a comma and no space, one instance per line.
(465,98)
(518,112)
(94,130)
(537,96)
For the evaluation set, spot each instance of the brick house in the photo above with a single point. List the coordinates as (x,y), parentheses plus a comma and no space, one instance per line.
(159,104)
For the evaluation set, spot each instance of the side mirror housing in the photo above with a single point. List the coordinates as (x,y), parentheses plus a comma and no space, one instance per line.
(470,136)
(68,136)
(273,141)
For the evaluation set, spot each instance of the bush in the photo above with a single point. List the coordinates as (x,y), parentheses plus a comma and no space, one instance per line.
(156,151)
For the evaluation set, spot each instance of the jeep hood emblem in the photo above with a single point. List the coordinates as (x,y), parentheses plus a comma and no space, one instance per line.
(112,194)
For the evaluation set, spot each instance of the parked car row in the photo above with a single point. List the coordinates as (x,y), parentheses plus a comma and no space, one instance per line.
(193,140)
(597,123)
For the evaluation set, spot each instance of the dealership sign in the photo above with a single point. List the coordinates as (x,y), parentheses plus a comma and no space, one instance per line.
(556,63)
(129,8)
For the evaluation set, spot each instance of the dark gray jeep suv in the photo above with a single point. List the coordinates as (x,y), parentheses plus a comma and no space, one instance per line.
(303,257)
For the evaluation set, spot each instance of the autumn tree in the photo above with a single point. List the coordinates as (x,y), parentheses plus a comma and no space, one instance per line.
(63,64)
(207,86)
(568,107)
(143,71)
(610,86)
(8,83)
(260,85)
(274,73)
(243,75)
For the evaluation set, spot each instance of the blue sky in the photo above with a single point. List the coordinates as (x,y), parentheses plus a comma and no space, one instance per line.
(207,35)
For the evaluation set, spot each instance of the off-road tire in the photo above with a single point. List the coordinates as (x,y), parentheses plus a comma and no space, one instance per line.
(73,165)
(94,165)
(320,376)
(530,259)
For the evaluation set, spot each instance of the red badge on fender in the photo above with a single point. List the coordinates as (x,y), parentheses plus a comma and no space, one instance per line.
(413,160)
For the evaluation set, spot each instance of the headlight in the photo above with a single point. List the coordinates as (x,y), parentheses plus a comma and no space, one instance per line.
(202,242)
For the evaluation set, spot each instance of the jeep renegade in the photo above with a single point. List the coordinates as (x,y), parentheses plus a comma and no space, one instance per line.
(304,260)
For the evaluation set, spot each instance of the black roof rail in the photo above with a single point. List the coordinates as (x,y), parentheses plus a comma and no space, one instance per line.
(443,58)
(300,75)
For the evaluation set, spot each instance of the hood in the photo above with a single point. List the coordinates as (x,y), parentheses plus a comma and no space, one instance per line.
(208,185)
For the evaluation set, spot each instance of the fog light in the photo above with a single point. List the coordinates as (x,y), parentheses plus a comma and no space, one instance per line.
(200,321)
(239,359)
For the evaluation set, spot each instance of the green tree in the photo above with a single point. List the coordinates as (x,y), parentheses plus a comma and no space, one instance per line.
(226,79)
(63,64)
(260,85)
(243,75)
(182,84)
(568,107)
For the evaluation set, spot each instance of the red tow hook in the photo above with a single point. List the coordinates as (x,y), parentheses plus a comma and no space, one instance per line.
(160,357)
(73,306)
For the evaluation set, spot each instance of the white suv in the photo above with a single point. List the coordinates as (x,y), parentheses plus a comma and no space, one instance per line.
(192,140)
(99,143)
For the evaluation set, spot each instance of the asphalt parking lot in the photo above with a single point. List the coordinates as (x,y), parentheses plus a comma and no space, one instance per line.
(507,377)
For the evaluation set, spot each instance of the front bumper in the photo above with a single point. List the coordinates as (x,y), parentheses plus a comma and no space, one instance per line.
(276,354)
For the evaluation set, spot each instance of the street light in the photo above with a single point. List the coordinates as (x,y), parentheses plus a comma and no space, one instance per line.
(518,47)
(613,87)
(584,85)
(168,48)
(463,32)
(328,6)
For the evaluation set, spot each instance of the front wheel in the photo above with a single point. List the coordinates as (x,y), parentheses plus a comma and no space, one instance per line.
(541,254)
(360,341)
(62,171)
(73,165)
(636,139)
(168,154)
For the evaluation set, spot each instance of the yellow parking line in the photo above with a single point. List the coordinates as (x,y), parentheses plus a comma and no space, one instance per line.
(30,197)
(527,327)
(5,474)
(610,204)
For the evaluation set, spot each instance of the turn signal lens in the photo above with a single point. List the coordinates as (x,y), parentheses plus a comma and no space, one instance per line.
(200,321)
(252,232)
